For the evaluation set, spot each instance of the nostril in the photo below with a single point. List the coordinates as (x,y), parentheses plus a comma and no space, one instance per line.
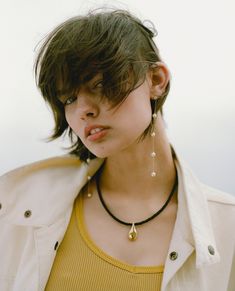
(88,111)
(90,114)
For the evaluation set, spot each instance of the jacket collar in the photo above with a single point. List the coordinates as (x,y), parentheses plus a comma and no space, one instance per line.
(52,185)
(192,234)
(193,218)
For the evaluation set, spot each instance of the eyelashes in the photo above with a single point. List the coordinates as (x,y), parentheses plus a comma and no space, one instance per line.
(69,100)
(98,85)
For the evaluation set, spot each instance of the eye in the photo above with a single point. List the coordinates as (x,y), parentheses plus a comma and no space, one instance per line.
(69,100)
(98,85)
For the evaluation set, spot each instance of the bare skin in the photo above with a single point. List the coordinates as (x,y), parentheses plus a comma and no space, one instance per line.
(126,183)
(152,244)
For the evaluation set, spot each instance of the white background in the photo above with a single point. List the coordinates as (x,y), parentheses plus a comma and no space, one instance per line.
(196,40)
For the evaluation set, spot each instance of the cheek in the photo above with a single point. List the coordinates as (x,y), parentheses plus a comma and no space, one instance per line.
(141,120)
(131,125)
(68,118)
(139,113)
(72,121)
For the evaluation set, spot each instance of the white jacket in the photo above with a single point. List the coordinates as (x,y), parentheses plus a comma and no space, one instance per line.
(36,203)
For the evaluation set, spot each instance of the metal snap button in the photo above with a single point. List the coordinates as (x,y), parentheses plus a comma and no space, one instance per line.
(173,256)
(211,250)
(56,245)
(27,213)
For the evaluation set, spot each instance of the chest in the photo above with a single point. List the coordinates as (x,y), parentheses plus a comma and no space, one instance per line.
(153,238)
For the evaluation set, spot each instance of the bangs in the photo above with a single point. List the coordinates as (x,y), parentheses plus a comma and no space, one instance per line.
(117,84)
(85,47)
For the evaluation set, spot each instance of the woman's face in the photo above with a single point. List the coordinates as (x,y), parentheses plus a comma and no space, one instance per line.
(122,125)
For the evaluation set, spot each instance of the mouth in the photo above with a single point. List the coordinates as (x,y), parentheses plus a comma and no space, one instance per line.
(95,132)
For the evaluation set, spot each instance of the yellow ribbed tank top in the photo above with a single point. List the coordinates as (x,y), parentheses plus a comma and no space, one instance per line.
(81,265)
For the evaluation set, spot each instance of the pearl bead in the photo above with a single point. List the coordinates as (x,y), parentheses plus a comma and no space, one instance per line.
(88,178)
(154,115)
(153,174)
(89,195)
(153,154)
(153,134)
(88,160)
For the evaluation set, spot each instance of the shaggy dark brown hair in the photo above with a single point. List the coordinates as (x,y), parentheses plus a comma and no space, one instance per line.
(114,43)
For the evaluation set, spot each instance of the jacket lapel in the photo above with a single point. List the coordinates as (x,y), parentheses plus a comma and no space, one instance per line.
(193,231)
(47,240)
(47,189)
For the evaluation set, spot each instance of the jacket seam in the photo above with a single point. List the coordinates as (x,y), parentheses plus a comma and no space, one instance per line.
(221,202)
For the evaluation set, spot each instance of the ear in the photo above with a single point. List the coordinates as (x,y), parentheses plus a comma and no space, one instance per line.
(159,77)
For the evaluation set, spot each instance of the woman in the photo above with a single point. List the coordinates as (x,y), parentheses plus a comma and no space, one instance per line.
(121,211)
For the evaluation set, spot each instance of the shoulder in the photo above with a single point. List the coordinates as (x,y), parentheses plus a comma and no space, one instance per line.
(37,186)
(54,167)
(63,161)
(221,206)
(216,196)
(36,178)
(41,173)
(212,195)
(57,165)
(57,169)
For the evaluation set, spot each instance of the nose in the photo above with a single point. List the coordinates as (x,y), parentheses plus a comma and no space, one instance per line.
(87,113)
(87,108)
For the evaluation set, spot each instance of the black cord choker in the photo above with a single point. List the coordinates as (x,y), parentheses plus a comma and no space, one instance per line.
(133,232)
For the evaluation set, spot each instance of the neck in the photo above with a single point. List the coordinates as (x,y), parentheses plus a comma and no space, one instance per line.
(129,172)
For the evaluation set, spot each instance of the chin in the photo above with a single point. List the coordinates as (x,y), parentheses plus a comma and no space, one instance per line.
(102,154)
(107,150)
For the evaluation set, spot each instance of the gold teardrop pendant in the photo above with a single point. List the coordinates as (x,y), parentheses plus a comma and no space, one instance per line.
(132,233)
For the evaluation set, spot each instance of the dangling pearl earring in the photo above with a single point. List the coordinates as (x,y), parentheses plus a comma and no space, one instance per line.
(153,134)
(89,194)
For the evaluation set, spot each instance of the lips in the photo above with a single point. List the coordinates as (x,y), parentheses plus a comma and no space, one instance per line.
(96,130)
(92,128)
